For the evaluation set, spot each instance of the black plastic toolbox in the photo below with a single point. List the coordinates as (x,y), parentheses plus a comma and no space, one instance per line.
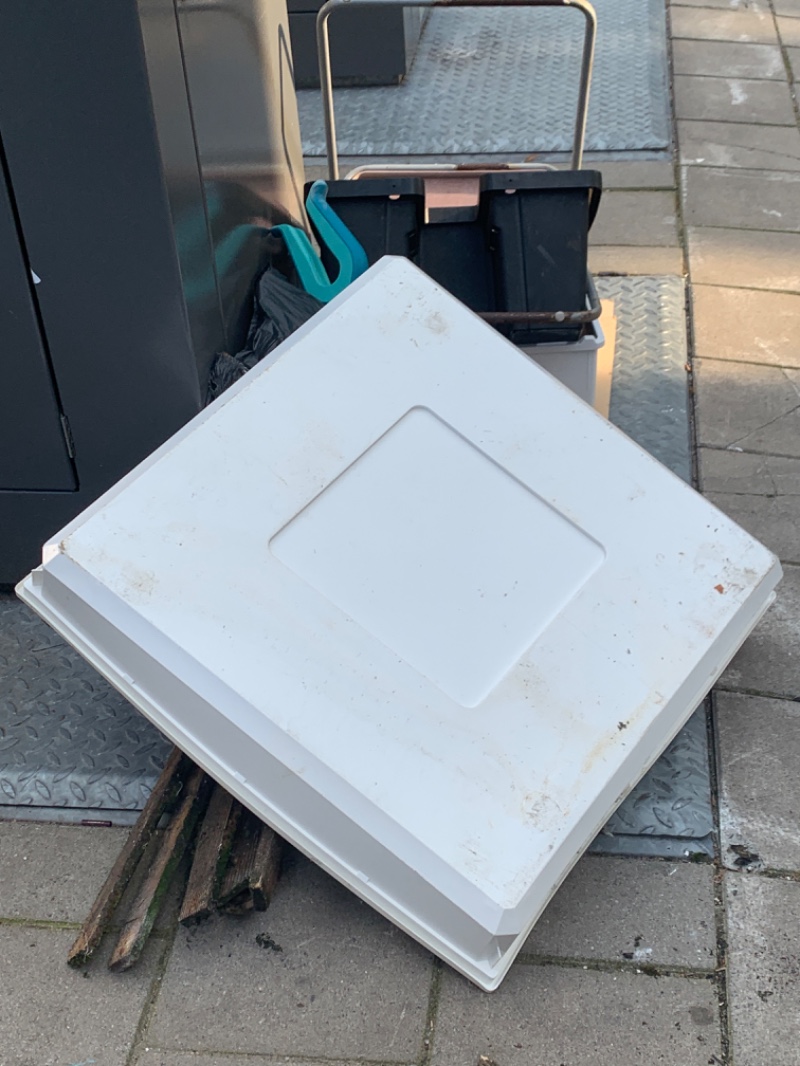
(521,261)
(537,224)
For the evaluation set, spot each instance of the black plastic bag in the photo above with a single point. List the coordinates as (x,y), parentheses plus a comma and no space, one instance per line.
(279,308)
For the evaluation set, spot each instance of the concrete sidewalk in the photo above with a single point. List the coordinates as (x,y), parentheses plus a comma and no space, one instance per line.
(636,961)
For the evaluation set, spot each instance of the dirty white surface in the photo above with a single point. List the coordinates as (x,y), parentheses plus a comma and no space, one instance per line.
(414,603)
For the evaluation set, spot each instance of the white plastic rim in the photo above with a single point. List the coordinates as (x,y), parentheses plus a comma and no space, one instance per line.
(415,604)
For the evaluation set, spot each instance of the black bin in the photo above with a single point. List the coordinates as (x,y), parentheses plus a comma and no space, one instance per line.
(456,254)
(537,225)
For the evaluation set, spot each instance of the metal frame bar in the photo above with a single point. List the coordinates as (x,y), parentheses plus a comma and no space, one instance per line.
(549,318)
(326,81)
(440,170)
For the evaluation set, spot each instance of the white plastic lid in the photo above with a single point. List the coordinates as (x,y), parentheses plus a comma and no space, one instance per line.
(415,604)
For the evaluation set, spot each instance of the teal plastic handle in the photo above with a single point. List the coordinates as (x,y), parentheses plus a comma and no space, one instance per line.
(333,231)
(344,247)
(308,266)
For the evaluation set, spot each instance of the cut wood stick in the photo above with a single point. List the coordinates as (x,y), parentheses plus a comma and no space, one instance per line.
(211,854)
(254,867)
(169,850)
(239,906)
(164,793)
(236,881)
(266,867)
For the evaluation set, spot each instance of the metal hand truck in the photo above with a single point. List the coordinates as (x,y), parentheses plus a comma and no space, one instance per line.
(438,175)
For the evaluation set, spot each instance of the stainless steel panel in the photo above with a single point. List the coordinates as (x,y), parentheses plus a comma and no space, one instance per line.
(238,66)
(181,167)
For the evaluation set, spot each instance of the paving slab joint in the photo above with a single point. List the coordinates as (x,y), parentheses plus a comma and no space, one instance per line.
(434,996)
(721,971)
(731,227)
(773,873)
(618,966)
(690,387)
(763,693)
(47,923)
(39,923)
(735,448)
(138,1042)
(680,226)
(787,65)
(268,1057)
(744,288)
(633,188)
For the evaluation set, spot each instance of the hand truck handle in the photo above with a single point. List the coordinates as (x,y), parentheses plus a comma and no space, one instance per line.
(324,54)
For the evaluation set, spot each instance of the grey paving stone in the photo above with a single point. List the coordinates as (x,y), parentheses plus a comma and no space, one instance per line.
(51,1015)
(748,199)
(760,492)
(641,217)
(734,144)
(53,872)
(319,973)
(744,474)
(769,660)
(744,26)
(633,174)
(794,62)
(746,259)
(773,521)
(746,325)
(789,29)
(659,912)
(732,99)
(724,59)
(628,259)
(549,1016)
(790,8)
(748,407)
(759,763)
(763,969)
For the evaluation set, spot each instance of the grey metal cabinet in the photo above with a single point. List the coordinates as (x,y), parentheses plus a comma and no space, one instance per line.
(34,447)
(147,234)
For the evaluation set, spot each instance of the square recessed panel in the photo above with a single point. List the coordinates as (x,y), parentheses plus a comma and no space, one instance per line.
(441,554)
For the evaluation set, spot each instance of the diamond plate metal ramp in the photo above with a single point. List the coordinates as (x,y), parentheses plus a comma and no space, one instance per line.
(505,82)
(649,389)
(67,739)
(669,812)
(70,745)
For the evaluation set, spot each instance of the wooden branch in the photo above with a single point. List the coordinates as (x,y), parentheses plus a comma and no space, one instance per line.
(171,847)
(163,795)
